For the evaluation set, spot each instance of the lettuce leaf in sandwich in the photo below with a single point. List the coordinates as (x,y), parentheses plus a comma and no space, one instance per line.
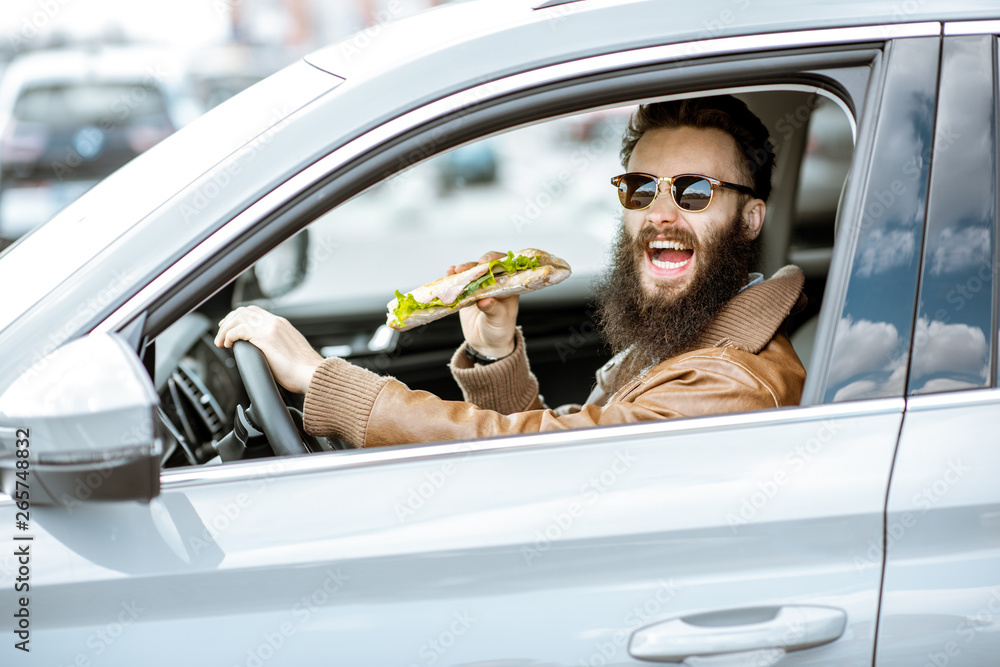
(407,304)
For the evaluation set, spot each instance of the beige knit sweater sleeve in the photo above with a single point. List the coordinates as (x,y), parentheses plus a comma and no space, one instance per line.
(506,386)
(340,395)
(339,400)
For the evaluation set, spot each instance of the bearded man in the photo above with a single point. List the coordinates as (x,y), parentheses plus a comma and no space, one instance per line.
(694,332)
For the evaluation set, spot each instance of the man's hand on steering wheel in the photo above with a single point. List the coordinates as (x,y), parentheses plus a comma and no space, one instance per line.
(292,360)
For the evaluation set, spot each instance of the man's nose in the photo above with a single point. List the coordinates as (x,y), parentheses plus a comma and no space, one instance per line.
(663,211)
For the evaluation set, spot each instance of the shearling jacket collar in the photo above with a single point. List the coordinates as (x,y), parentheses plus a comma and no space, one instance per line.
(765,305)
(747,323)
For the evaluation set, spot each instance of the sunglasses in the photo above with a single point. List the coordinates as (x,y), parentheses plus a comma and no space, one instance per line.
(690,192)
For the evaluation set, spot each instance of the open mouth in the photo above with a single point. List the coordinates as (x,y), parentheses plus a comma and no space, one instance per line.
(668,255)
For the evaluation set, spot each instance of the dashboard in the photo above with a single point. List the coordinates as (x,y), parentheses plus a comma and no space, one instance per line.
(199,388)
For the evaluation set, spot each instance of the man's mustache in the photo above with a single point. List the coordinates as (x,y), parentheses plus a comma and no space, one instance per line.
(683,236)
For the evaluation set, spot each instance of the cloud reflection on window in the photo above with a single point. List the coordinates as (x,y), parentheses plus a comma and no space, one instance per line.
(886,250)
(960,250)
(951,356)
(874,342)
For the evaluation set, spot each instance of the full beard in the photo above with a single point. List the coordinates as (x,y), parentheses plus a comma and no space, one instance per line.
(662,325)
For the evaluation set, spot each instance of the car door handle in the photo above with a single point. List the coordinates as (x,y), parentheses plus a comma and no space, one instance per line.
(789,628)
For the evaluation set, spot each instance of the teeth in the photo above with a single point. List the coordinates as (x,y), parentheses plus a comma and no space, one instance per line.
(668,265)
(671,245)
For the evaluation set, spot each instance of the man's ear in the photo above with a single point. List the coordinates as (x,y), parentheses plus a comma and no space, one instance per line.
(753,216)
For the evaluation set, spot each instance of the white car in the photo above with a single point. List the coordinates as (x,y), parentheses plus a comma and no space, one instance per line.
(858,528)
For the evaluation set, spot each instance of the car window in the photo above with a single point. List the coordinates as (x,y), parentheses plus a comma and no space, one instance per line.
(955,315)
(543,186)
(871,348)
(540,186)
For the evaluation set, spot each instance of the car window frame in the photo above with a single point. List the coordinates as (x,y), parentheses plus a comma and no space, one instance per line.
(373,162)
(873,158)
(836,46)
(954,152)
(364,161)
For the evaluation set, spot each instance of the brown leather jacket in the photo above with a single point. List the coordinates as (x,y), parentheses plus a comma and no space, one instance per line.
(743,361)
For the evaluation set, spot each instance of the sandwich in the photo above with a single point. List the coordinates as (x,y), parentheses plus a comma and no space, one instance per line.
(526,271)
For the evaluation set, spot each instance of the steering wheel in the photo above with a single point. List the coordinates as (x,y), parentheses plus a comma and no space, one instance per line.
(268,408)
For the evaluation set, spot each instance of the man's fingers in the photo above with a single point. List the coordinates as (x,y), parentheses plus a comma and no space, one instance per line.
(244,321)
(233,334)
(493,254)
(458,268)
(492,303)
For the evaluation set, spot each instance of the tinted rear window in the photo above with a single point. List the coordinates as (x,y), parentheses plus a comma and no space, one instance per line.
(83,104)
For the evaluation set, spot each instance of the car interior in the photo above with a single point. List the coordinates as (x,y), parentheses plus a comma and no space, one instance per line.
(540,185)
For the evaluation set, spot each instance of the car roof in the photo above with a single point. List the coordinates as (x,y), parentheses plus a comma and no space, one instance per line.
(464,34)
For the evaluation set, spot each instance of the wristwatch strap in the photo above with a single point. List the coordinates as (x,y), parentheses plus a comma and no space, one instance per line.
(476,357)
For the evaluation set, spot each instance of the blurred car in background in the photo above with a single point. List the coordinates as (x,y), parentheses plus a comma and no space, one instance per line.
(70,117)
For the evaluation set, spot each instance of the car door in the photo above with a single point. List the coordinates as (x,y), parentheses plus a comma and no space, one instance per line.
(941,595)
(755,533)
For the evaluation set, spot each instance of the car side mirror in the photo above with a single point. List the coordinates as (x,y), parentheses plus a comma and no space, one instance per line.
(81,425)
(277,273)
